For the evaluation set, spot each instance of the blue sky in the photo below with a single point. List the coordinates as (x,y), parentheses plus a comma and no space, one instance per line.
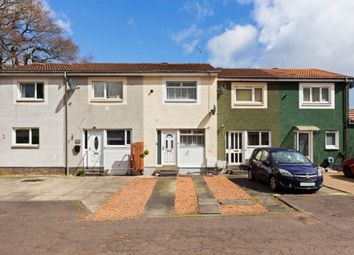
(230,33)
(144,31)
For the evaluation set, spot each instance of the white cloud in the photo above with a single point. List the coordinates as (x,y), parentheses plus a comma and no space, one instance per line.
(301,33)
(200,8)
(61,20)
(226,48)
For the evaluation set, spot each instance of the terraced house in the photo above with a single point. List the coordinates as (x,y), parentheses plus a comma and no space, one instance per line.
(305,109)
(58,117)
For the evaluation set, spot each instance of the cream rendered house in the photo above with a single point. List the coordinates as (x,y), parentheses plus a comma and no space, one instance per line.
(180,121)
(88,115)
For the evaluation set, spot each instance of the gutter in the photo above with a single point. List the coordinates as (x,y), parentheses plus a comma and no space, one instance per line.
(287,80)
(346,117)
(66,124)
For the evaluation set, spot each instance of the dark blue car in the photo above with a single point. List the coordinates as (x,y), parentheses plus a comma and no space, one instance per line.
(284,168)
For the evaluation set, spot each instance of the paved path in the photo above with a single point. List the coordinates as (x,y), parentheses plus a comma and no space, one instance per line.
(340,182)
(92,191)
(207,203)
(162,200)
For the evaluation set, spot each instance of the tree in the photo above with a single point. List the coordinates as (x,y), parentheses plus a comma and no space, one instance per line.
(29,33)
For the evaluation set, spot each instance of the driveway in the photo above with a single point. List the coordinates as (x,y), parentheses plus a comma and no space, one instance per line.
(340,182)
(91,191)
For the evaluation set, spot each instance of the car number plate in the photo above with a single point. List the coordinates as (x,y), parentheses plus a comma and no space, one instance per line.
(307,184)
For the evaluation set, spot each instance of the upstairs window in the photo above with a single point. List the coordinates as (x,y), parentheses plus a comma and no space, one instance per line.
(249,95)
(185,91)
(31,91)
(108,90)
(316,95)
(26,136)
(118,137)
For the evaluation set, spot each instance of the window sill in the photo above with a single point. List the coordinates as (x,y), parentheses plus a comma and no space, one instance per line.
(181,101)
(107,100)
(316,105)
(331,148)
(25,146)
(32,100)
(258,146)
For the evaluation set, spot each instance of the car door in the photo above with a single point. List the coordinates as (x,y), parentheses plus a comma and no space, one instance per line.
(256,162)
(264,166)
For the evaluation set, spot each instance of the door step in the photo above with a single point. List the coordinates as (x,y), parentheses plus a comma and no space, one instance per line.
(95,172)
(167,171)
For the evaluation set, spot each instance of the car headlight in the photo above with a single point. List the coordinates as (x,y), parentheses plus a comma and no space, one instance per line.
(319,172)
(285,173)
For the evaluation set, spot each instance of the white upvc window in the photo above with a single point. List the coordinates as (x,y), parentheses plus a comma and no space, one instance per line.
(25,137)
(118,137)
(332,140)
(258,138)
(30,91)
(316,95)
(249,95)
(193,138)
(107,91)
(181,91)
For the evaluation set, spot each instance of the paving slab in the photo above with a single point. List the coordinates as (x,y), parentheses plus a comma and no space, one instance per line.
(93,191)
(207,203)
(162,200)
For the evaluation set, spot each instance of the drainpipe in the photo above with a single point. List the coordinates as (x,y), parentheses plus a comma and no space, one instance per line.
(346,117)
(66,124)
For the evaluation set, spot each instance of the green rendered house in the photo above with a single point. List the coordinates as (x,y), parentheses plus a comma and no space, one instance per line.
(304,109)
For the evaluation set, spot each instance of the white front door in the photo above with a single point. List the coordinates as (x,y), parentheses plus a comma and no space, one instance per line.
(168,147)
(304,143)
(234,150)
(94,148)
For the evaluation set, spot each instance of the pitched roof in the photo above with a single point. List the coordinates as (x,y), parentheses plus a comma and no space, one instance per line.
(351,115)
(113,68)
(279,73)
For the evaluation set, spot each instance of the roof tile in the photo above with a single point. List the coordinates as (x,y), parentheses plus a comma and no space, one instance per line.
(113,68)
(279,73)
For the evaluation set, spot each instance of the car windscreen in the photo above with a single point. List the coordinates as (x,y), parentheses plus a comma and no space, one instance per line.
(289,157)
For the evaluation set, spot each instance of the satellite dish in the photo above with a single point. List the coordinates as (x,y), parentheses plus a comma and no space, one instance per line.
(72,84)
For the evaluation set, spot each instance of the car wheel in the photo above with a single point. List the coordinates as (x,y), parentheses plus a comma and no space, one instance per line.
(273,183)
(251,176)
(347,171)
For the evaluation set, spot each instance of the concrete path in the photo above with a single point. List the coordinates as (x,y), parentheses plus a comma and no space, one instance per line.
(92,191)
(162,200)
(340,182)
(207,203)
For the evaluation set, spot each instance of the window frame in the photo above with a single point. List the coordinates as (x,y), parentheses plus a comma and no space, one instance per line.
(165,82)
(332,147)
(125,138)
(30,138)
(330,104)
(249,104)
(192,133)
(30,99)
(105,98)
(260,139)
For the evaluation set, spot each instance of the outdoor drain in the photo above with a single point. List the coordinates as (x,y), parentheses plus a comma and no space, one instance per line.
(33,180)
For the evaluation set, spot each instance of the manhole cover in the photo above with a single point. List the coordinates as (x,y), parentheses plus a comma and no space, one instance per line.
(33,180)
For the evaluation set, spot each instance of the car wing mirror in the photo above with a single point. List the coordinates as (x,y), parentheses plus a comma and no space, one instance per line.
(266,163)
